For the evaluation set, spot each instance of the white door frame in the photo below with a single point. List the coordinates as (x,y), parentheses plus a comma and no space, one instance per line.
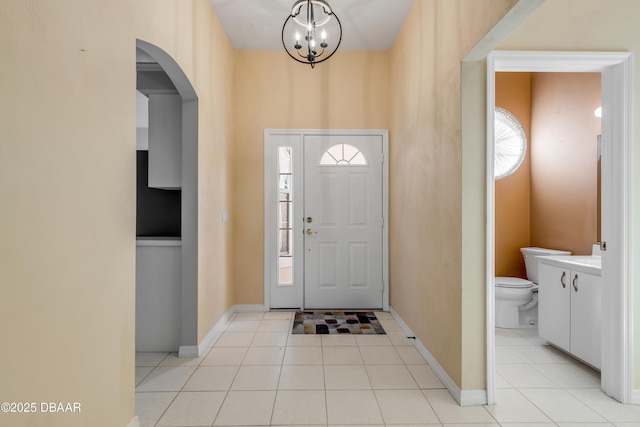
(296,136)
(617,302)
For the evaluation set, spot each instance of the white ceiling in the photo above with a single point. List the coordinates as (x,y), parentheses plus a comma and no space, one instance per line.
(366,24)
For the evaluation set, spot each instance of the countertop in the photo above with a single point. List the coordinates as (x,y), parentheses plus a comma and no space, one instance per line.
(158,241)
(591,264)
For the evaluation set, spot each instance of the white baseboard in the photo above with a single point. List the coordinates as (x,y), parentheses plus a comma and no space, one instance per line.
(210,338)
(135,422)
(635,396)
(473,397)
(218,328)
(463,397)
(249,308)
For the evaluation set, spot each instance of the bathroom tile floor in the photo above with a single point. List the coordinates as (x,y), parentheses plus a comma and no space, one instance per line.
(258,374)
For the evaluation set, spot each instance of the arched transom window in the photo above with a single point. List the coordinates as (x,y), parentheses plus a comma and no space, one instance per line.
(343,155)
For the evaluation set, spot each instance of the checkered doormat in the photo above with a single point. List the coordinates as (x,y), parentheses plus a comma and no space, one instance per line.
(336,322)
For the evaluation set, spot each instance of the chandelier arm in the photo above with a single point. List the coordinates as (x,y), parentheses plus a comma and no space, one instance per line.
(339,41)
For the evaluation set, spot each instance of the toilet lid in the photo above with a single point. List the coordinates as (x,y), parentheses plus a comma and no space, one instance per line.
(513,282)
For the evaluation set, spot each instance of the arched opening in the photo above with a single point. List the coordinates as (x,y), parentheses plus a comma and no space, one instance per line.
(167,264)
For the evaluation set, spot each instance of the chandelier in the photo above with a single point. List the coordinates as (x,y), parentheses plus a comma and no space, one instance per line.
(312,33)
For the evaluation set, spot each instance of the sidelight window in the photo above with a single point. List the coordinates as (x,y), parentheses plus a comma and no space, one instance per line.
(285,215)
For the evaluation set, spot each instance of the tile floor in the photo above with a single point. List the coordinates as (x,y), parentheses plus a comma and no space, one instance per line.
(258,374)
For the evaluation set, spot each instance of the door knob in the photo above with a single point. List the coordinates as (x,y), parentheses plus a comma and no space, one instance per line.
(310,232)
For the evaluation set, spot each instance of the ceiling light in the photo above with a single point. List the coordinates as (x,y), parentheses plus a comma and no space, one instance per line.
(598,112)
(299,36)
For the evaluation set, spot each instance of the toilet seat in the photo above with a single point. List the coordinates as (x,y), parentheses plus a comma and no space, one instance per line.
(513,283)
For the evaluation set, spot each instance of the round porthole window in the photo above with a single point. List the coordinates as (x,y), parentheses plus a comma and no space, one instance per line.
(510,143)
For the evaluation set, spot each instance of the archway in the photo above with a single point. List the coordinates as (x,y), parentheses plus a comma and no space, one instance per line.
(152,59)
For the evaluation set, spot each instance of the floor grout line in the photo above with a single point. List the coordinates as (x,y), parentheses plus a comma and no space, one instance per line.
(581,395)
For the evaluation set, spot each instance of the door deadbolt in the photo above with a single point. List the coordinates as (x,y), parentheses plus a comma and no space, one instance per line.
(309,219)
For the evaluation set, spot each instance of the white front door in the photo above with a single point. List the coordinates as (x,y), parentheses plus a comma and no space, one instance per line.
(325,241)
(343,221)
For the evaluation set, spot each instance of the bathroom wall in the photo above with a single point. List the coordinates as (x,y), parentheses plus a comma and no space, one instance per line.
(512,193)
(551,200)
(564,174)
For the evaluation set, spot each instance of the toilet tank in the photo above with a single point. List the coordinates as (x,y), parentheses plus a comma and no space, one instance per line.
(531,261)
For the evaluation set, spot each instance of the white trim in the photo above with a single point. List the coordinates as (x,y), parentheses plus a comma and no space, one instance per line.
(617,313)
(490,239)
(210,338)
(635,396)
(462,397)
(135,422)
(288,296)
(617,295)
(385,214)
(509,22)
(269,135)
(189,351)
(217,329)
(250,308)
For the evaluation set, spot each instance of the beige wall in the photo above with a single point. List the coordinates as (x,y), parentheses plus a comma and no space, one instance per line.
(564,173)
(351,91)
(191,34)
(512,197)
(67,194)
(596,25)
(67,203)
(426,175)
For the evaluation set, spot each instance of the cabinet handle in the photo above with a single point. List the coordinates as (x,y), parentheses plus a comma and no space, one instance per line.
(575,286)
(564,285)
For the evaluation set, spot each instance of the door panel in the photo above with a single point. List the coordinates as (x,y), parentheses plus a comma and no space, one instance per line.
(586,318)
(343,240)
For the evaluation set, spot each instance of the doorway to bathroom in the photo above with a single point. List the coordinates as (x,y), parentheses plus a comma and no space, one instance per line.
(616,338)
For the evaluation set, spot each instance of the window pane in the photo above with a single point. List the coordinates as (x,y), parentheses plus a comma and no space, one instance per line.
(510,144)
(284,159)
(349,151)
(285,214)
(343,155)
(285,243)
(359,160)
(285,271)
(285,183)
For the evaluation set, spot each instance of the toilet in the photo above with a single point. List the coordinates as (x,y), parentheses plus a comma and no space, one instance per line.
(517,299)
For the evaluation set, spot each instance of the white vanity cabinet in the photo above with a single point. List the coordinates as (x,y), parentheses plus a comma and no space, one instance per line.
(569,308)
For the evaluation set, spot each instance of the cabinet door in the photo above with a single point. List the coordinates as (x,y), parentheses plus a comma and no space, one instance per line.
(586,309)
(165,141)
(554,305)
